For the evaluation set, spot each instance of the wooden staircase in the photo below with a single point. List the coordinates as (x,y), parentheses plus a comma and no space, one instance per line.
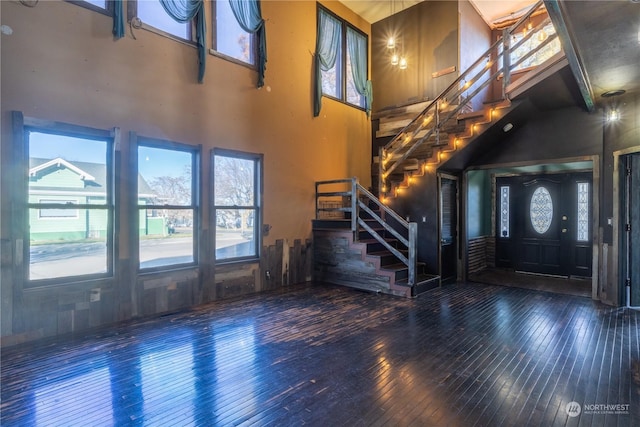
(428,134)
(365,257)
(453,136)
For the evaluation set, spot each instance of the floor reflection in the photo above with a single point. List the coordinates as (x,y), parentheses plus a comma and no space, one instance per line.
(85,396)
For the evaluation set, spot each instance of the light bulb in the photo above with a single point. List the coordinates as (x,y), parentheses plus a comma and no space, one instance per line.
(403,63)
(391,43)
(395,59)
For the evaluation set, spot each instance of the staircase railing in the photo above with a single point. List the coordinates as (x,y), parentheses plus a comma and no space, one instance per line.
(426,126)
(351,200)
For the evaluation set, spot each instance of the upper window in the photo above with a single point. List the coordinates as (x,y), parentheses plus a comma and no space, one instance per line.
(103,6)
(229,38)
(236,205)
(167,203)
(539,57)
(152,14)
(344,52)
(69,200)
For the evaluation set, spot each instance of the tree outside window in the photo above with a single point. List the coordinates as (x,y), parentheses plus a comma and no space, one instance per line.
(236,209)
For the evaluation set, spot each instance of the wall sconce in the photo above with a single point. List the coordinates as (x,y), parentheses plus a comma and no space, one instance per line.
(612,110)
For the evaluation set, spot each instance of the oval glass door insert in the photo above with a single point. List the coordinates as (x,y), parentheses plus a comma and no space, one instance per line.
(541,210)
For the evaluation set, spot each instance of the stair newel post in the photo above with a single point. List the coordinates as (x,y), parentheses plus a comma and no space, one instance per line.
(413,262)
(317,203)
(506,61)
(354,208)
(381,180)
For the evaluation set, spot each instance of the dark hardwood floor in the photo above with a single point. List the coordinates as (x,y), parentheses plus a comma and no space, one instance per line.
(322,355)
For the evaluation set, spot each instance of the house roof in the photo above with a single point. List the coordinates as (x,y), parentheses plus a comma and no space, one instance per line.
(94,174)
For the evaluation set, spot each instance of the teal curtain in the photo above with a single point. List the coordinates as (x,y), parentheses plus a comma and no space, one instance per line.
(327,46)
(357,47)
(184,11)
(118,19)
(249,16)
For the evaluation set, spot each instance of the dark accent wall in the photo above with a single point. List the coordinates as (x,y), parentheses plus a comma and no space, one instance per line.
(428,35)
(475,40)
(419,202)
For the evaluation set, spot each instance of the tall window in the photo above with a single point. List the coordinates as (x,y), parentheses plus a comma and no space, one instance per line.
(70,204)
(236,198)
(153,16)
(505,229)
(340,47)
(583,212)
(229,38)
(167,203)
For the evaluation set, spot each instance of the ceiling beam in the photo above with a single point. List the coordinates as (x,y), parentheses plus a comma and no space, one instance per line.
(555,13)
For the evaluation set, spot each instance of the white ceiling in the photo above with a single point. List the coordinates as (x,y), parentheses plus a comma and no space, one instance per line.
(490,10)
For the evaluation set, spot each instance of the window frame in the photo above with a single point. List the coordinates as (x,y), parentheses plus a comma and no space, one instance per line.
(214,42)
(258,180)
(136,141)
(24,125)
(108,10)
(132,17)
(344,24)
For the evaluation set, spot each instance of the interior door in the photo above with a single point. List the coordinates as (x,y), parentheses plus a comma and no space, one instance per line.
(543,223)
(448,229)
(631,229)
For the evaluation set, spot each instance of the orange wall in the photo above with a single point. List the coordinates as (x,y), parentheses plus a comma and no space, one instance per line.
(61,63)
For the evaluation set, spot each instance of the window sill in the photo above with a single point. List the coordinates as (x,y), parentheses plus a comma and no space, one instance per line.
(93,7)
(357,107)
(232,59)
(145,27)
(69,283)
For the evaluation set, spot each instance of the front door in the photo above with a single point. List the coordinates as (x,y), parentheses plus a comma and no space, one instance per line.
(543,223)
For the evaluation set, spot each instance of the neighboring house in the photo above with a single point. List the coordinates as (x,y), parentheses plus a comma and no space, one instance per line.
(77,183)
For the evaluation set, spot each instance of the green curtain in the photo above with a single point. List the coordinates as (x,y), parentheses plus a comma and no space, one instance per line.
(357,47)
(184,11)
(118,19)
(327,46)
(249,16)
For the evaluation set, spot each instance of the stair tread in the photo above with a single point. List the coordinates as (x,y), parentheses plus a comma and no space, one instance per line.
(420,278)
(384,253)
(394,267)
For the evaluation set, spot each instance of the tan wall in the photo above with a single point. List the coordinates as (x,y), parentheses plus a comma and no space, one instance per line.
(62,64)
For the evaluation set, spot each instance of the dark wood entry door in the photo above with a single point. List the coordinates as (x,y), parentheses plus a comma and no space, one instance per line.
(543,223)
